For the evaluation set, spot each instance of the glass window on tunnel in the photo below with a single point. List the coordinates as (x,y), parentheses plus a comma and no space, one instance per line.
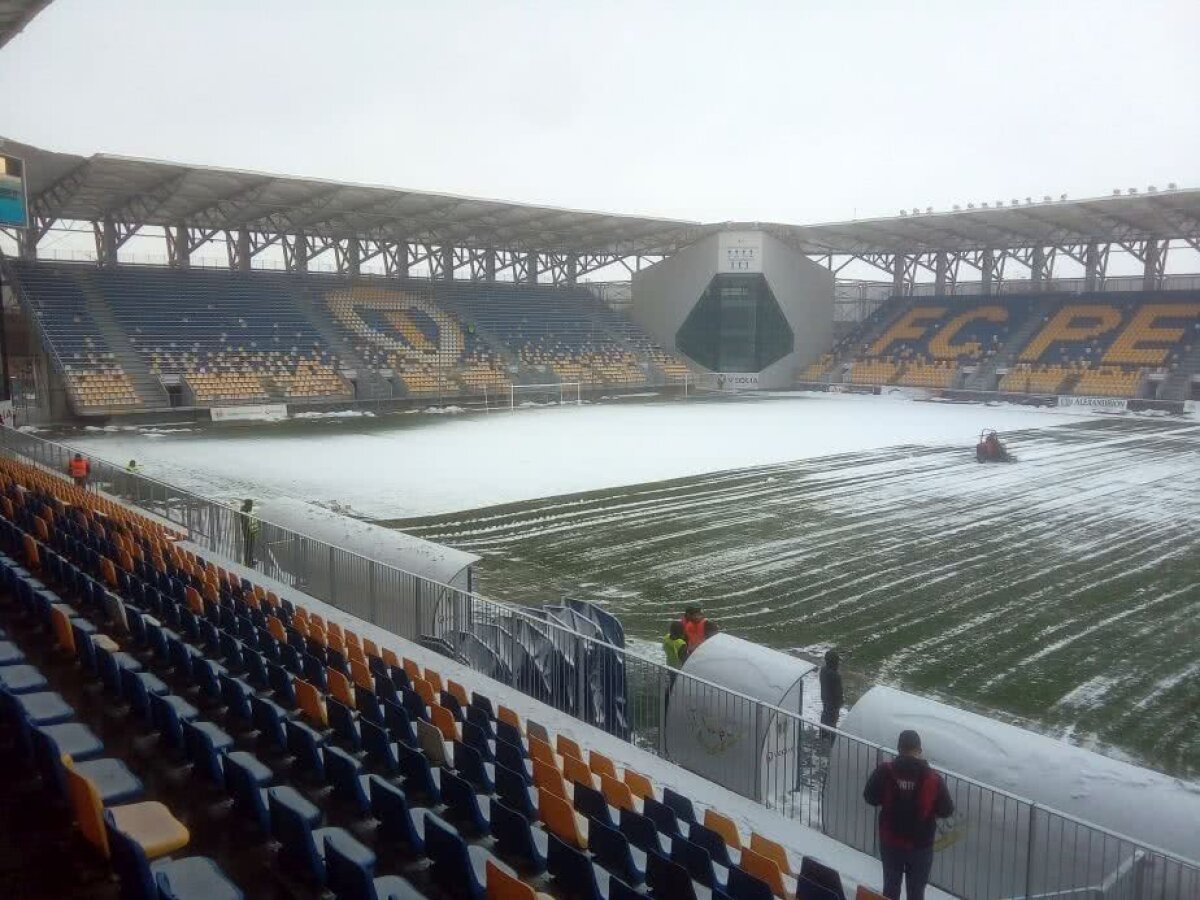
(736,326)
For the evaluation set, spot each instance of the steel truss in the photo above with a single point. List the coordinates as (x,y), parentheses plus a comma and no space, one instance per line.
(990,269)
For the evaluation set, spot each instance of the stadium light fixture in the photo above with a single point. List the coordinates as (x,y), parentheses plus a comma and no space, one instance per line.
(1171,186)
(929,209)
(1062,197)
(984,204)
(1116,192)
(970,206)
(957,207)
(1131,191)
(1046,198)
(1028,201)
(1152,189)
(904,213)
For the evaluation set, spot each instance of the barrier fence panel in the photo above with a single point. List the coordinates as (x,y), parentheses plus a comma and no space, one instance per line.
(997,845)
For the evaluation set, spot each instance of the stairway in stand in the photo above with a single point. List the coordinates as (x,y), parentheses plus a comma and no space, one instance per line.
(145,383)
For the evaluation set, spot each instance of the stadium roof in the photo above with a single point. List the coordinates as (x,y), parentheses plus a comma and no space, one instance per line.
(1170,214)
(148,192)
(16,14)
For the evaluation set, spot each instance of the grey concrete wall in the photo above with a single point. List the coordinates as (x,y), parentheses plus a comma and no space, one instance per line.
(664,295)
(804,291)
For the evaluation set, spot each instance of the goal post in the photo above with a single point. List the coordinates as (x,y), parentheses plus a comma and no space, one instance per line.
(558,393)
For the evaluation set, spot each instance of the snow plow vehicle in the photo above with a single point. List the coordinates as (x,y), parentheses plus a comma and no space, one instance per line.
(990,449)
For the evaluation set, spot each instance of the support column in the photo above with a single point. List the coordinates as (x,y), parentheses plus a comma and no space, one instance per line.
(1036,267)
(572,269)
(448,262)
(402,259)
(300,253)
(353,258)
(1153,268)
(243,249)
(108,243)
(489,266)
(179,253)
(898,275)
(987,269)
(1091,267)
(28,243)
(531,268)
(941,264)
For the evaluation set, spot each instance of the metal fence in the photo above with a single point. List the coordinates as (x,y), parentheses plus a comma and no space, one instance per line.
(997,845)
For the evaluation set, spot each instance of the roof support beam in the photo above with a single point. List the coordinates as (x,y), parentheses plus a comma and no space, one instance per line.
(50,201)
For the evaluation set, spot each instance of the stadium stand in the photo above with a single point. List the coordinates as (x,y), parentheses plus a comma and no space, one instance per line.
(238,337)
(1097,345)
(231,336)
(271,706)
(93,375)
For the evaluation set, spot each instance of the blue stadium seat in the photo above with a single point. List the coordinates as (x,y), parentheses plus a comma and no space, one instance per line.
(668,879)
(345,774)
(113,780)
(269,717)
(379,748)
(613,851)
(10,653)
(641,832)
(516,840)
(463,805)
(420,779)
(21,679)
(399,723)
(191,878)
(397,820)
(344,724)
(294,824)
(697,862)
(717,849)
(206,744)
(574,873)
(168,713)
(470,765)
(823,875)
(457,868)
(246,780)
(679,804)
(591,803)
(514,789)
(304,744)
(662,816)
(744,886)
(351,874)
(810,890)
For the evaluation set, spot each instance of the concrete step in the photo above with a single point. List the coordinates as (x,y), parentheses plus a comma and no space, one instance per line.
(145,383)
(370,386)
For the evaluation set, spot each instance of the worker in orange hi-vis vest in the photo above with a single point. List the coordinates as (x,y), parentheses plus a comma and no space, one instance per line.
(79,469)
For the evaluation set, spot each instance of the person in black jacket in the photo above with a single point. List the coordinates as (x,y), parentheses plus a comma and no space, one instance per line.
(911,797)
(831,691)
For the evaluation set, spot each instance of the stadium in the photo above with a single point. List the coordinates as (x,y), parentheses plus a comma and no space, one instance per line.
(493,449)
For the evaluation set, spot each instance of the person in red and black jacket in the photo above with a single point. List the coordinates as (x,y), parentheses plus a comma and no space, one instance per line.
(912,798)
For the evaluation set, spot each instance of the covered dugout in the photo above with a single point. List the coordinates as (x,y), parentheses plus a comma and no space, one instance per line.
(1018,836)
(733,736)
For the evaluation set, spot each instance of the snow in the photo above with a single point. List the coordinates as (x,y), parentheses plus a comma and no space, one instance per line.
(391,469)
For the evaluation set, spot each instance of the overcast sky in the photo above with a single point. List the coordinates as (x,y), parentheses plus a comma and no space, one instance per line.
(784,111)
